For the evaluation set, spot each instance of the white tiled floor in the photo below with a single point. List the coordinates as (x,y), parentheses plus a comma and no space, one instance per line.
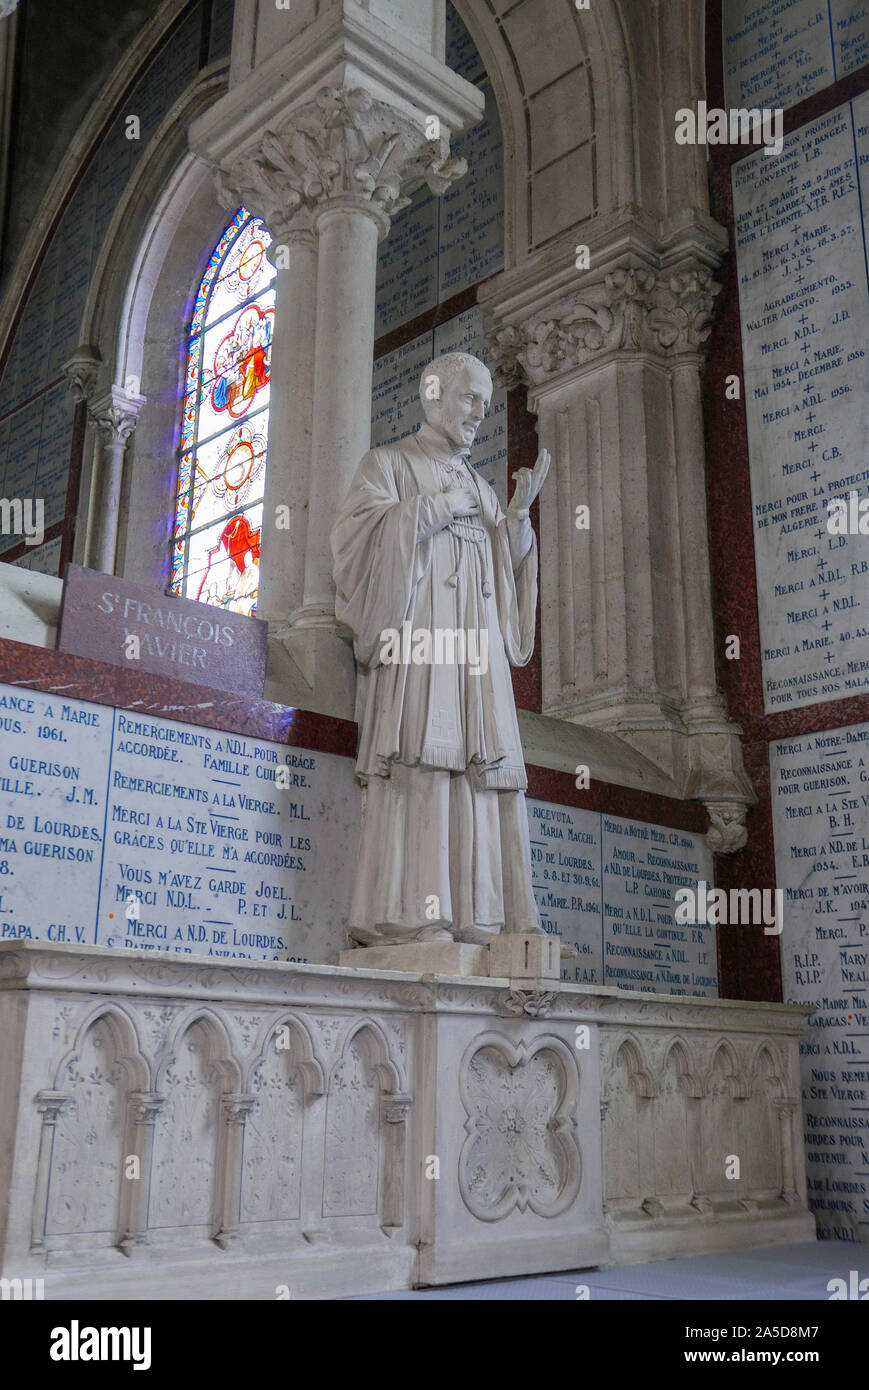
(798,1272)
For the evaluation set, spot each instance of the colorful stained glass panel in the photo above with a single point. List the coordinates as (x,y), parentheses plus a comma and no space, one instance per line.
(223,562)
(224,423)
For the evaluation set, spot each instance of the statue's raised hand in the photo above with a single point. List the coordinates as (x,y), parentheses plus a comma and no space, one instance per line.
(528,482)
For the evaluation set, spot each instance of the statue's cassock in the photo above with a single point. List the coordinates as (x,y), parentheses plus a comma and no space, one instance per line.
(445,845)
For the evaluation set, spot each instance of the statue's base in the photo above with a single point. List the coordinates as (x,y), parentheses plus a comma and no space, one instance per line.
(421,958)
(510,955)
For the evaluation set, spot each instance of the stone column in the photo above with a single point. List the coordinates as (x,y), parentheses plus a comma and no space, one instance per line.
(51,1105)
(326,145)
(144,1106)
(395,1109)
(348,231)
(282,571)
(82,372)
(236,1109)
(612,356)
(115,416)
(786,1110)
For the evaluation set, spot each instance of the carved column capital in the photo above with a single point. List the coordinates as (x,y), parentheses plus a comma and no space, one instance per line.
(237,1107)
(396,1108)
(81,371)
(145,1106)
(116,414)
(51,1104)
(346,145)
(630,307)
(727,831)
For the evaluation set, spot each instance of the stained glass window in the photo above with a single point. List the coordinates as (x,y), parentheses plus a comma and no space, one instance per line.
(224,427)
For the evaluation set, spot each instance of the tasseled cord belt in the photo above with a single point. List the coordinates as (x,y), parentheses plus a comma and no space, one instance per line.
(468,531)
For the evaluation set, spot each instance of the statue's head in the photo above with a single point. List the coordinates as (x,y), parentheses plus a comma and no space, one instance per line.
(455,391)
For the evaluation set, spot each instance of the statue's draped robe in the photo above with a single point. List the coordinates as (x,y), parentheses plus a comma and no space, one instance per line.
(445,838)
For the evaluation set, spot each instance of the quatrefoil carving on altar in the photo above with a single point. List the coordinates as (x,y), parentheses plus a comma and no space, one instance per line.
(520,1151)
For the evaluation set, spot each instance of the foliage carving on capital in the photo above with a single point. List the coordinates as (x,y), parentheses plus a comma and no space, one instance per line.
(116,415)
(630,309)
(344,143)
(81,372)
(727,833)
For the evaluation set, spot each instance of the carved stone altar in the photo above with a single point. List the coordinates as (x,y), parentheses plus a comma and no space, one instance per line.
(181,1129)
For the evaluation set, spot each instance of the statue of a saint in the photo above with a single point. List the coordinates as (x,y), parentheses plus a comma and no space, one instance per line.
(439,589)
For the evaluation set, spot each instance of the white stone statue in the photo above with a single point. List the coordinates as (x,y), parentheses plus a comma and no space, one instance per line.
(439,589)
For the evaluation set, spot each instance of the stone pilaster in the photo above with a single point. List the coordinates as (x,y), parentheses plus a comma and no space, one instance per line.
(236,1108)
(611,354)
(144,1107)
(395,1111)
(51,1105)
(114,416)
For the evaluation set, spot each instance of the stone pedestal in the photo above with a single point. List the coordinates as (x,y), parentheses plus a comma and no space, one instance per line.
(525,956)
(429,1130)
(521,956)
(421,957)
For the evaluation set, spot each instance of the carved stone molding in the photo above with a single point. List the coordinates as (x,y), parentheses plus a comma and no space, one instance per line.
(116,414)
(145,1106)
(727,831)
(521,1150)
(537,1003)
(81,371)
(396,1108)
(237,1107)
(631,308)
(342,145)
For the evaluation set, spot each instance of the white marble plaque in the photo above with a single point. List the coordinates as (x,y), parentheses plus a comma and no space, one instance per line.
(407,267)
(820,805)
(850,25)
(101,806)
(802,270)
(225,860)
(396,407)
(461,51)
(471,214)
(607,885)
(778,52)
(54,766)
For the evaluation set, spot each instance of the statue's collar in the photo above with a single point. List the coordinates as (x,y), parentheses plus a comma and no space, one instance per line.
(435,442)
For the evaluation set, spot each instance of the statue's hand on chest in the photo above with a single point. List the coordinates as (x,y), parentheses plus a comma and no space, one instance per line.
(463,501)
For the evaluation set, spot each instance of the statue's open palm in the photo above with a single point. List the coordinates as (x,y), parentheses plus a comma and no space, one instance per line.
(528,482)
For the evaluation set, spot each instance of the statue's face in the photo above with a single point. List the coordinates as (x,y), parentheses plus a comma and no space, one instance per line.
(462,406)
